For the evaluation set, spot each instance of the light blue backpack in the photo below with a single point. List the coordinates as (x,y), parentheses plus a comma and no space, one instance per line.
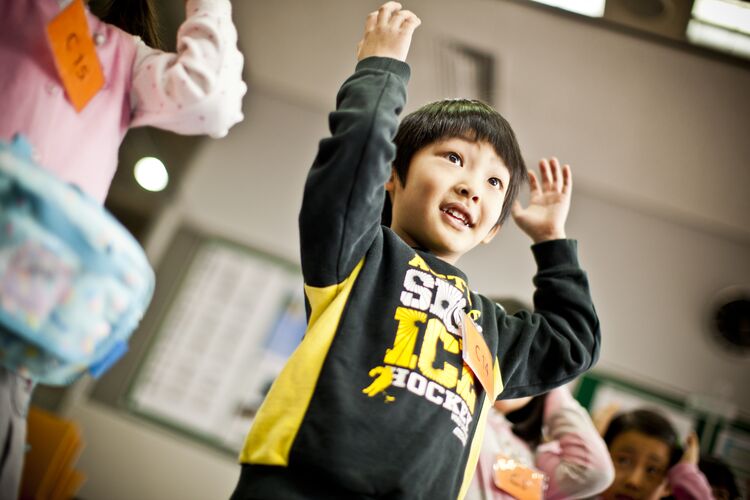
(73,282)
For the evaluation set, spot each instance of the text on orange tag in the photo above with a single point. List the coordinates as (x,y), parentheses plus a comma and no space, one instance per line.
(477,355)
(521,482)
(75,55)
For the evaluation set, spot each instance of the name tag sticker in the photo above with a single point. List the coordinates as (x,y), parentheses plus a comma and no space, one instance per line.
(75,55)
(519,481)
(477,355)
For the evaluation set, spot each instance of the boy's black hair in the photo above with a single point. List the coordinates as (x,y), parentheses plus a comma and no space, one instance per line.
(646,422)
(467,118)
(528,420)
(137,17)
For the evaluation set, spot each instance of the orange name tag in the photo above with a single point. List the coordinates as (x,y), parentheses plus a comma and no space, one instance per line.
(519,481)
(75,55)
(477,355)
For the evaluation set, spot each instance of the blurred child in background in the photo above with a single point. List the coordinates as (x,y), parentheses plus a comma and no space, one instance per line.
(649,462)
(720,477)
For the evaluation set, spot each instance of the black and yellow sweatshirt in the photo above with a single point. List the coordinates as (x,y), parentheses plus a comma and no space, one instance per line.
(376,401)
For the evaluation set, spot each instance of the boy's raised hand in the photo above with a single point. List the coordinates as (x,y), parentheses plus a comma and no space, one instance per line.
(544,218)
(388,32)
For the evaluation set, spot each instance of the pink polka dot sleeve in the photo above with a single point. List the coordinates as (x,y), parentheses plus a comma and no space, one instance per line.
(575,458)
(198,89)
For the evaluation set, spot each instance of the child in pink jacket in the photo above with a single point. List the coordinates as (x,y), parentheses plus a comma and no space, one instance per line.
(551,434)
(197,90)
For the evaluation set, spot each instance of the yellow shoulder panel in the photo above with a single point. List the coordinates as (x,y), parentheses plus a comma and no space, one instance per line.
(476,447)
(280,416)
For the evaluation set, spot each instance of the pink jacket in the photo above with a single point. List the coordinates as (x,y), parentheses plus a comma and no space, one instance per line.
(688,483)
(574,459)
(198,90)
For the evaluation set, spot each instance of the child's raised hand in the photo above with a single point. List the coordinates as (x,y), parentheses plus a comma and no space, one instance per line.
(544,218)
(692,452)
(603,416)
(388,32)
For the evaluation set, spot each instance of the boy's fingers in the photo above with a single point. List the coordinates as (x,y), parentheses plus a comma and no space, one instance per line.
(533,182)
(386,11)
(556,174)
(567,179)
(372,21)
(411,24)
(544,170)
(516,208)
(406,19)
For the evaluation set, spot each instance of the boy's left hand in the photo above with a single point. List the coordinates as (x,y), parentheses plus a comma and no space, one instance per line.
(544,218)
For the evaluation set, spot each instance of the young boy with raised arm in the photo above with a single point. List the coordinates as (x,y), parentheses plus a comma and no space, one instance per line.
(386,395)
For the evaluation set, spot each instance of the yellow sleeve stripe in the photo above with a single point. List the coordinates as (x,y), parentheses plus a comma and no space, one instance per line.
(476,447)
(278,420)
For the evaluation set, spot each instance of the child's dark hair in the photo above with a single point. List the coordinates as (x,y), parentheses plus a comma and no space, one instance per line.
(528,420)
(719,475)
(466,118)
(137,17)
(647,422)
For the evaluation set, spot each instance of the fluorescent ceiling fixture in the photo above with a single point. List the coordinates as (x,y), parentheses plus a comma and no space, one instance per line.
(719,38)
(730,14)
(591,8)
(151,174)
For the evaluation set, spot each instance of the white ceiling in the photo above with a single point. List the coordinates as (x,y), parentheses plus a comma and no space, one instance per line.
(646,125)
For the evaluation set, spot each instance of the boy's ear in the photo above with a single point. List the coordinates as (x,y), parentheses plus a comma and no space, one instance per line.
(495,229)
(390,184)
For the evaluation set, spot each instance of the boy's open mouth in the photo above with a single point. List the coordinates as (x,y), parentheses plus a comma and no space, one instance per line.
(458,213)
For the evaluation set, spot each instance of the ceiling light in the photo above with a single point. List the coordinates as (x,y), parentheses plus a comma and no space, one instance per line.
(718,38)
(729,14)
(591,8)
(151,174)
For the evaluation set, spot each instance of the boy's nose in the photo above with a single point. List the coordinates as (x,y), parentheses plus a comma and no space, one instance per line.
(467,191)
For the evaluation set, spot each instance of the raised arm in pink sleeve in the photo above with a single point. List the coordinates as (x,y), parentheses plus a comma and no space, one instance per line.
(199,89)
(576,459)
(688,482)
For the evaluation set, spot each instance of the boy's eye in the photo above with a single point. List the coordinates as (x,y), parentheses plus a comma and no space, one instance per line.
(455,158)
(495,182)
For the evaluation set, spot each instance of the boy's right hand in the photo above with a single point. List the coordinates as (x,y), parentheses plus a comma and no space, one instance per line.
(388,32)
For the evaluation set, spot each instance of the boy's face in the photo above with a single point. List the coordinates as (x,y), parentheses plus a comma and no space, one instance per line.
(452,198)
(641,464)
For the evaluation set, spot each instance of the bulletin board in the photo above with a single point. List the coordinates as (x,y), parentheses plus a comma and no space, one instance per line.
(223,322)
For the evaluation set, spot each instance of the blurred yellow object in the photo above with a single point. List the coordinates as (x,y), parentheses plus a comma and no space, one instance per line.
(48,472)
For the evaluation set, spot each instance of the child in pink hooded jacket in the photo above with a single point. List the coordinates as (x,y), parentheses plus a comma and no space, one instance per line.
(551,434)
(196,90)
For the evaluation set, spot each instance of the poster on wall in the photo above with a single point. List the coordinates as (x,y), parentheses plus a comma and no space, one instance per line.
(626,400)
(733,446)
(235,318)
